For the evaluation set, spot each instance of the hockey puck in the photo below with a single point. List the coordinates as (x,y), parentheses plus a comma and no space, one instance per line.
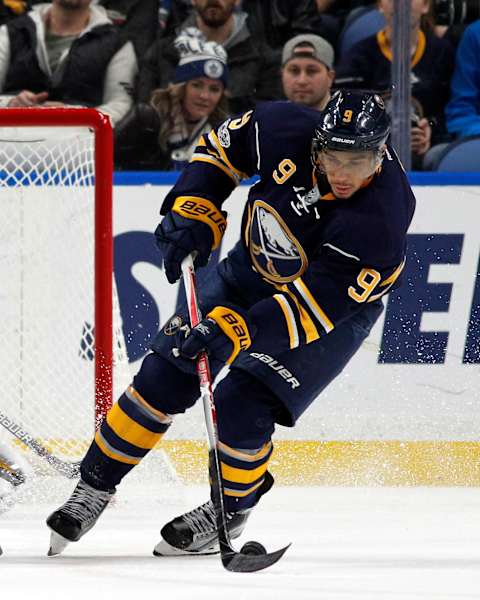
(253,549)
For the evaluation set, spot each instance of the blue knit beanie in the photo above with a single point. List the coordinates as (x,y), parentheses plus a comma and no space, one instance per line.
(199,58)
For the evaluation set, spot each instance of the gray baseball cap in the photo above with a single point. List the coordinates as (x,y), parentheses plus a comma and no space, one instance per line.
(309,45)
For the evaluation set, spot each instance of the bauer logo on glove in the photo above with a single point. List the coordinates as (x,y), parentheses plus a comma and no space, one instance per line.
(222,334)
(193,226)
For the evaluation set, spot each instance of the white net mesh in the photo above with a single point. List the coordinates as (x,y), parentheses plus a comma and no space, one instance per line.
(47,285)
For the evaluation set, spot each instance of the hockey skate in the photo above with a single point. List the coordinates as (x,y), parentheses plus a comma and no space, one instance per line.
(195,532)
(77,516)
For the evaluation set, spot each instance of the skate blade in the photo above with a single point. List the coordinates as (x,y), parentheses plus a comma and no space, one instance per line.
(163,548)
(57,544)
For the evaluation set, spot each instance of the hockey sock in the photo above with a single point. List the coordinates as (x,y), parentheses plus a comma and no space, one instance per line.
(130,430)
(243,473)
(137,422)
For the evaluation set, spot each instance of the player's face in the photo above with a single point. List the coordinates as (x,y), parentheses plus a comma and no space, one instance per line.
(347,171)
(215,13)
(418,9)
(307,81)
(201,97)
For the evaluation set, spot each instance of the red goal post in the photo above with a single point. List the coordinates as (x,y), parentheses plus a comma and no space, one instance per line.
(61,157)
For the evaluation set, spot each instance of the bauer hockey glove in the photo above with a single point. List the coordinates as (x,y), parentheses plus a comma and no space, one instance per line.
(193,226)
(222,334)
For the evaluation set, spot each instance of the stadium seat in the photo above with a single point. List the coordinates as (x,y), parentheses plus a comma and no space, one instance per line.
(458,156)
(360,24)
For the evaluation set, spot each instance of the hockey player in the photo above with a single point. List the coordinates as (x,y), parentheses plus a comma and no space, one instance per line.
(323,240)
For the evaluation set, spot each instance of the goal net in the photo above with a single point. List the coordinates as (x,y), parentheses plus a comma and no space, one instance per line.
(62,352)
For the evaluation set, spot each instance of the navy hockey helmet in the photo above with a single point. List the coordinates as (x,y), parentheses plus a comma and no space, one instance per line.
(352,120)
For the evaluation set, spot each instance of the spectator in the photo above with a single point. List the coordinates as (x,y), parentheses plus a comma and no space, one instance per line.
(279,20)
(252,66)
(163,134)
(275,21)
(137,20)
(463,110)
(307,70)
(368,65)
(66,52)
(341,9)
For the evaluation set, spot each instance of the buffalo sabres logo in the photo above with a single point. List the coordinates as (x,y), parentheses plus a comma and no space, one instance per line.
(173,325)
(275,252)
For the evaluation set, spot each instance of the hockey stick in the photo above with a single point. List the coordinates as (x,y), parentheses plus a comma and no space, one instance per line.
(231,560)
(69,469)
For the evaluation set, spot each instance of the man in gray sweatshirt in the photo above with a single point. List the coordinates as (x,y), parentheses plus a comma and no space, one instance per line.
(66,52)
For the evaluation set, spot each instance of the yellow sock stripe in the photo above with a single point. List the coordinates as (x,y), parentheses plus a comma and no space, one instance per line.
(243,493)
(201,209)
(212,137)
(111,454)
(162,417)
(234,327)
(289,319)
(129,430)
(313,305)
(236,475)
(311,332)
(264,450)
(6,467)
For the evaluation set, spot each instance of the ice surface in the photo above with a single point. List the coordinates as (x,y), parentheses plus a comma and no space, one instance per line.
(348,544)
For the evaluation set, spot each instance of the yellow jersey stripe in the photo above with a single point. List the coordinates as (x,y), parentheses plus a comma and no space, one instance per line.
(290,320)
(197,157)
(130,431)
(388,282)
(313,305)
(212,136)
(311,332)
(247,226)
(394,276)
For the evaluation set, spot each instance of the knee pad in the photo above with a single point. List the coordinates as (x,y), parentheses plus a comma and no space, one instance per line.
(165,387)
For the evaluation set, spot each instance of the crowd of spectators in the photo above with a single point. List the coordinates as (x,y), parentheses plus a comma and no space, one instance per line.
(168,70)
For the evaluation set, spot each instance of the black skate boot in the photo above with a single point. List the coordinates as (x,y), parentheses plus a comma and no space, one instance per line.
(195,532)
(77,516)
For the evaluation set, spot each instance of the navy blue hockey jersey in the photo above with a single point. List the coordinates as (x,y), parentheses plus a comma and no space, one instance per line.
(315,259)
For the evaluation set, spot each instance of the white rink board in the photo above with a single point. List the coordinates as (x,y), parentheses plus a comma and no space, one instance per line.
(370,401)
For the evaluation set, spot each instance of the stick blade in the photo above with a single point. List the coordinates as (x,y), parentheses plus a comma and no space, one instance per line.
(247,563)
